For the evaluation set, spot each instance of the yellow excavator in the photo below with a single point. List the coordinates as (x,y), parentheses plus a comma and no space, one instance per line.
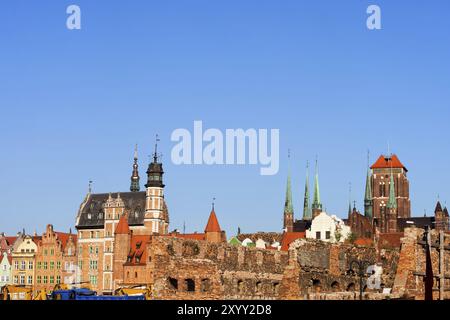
(16,292)
(135,291)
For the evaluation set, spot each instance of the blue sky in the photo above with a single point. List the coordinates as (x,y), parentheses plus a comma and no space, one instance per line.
(74,103)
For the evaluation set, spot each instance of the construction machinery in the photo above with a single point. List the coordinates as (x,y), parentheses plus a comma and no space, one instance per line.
(17,292)
(137,290)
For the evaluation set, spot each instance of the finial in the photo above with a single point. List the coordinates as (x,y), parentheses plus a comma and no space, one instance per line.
(90,186)
(389,149)
(155,156)
(368,158)
(354,204)
(136,152)
(213,203)
(184,227)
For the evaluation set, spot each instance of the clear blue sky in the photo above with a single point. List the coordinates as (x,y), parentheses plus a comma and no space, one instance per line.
(74,103)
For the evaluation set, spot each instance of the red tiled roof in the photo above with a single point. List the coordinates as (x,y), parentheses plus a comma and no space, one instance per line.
(289,237)
(11,240)
(388,162)
(122,226)
(390,240)
(138,249)
(64,238)
(213,224)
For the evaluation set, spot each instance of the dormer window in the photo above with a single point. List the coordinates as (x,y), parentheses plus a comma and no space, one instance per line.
(89,216)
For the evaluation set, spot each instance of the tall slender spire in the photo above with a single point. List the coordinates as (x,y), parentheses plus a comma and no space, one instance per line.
(306,207)
(368,197)
(135,187)
(316,205)
(288,205)
(392,202)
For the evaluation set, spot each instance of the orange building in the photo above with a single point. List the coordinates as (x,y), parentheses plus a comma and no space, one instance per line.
(55,260)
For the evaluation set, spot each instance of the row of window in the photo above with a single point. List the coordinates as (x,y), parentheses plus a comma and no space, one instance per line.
(327,235)
(21,280)
(48,279)
(23,264)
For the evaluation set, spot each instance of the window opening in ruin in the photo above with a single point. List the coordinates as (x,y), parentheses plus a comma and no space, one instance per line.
(190,285)
(240,286)
(258,287)
(335,286)
(205,285)
(316,285)
(173,283)
(351,287)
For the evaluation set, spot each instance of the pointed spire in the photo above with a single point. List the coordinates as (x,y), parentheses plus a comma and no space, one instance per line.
(368,197)
(306,206)
(317,205)
(288,205)
(392,202)
(123,226)
(213,223)
(438,207)
(135,186)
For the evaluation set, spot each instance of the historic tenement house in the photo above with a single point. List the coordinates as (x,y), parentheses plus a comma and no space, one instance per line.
(55,260)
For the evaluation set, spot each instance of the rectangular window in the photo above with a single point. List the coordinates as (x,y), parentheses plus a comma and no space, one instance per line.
(52,265)
(58,265)
(91,250)
(30,265)
(39,265)
(22,265)
(39,279)
(52,279)
(16,265)
(22,279)
(58,279)
(96,250)
(45,265)
(318,235)
(93,280)
(30,280)
(328,235)
(45,252)
(52,252)
(80,265)
(16,279)
(45,279)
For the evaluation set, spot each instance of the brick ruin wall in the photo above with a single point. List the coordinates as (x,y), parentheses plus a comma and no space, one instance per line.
(412,268)
(188,269)
(319,270)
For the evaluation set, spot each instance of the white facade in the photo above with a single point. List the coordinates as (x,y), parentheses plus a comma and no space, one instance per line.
(328,228)
(5,270)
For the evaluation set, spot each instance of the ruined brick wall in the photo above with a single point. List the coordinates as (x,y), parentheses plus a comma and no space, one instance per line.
(412,275)
(317,267)
(189,269)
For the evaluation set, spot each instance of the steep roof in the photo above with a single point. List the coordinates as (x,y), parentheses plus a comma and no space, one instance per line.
(438,207)
(91,214)
(123,226)
(289,237)
(213,223)
(64,238)
(138,252)
(388,162)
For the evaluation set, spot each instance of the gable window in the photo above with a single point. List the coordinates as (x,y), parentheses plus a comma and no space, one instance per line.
(318,235)
(328,235)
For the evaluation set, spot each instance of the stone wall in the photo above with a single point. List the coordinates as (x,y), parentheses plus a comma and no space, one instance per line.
(317,268)
(189,269)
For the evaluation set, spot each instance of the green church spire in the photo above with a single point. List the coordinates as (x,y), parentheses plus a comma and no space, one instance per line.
(392,203)
(316,205)
(288,206)
(368,197)
(306,208)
